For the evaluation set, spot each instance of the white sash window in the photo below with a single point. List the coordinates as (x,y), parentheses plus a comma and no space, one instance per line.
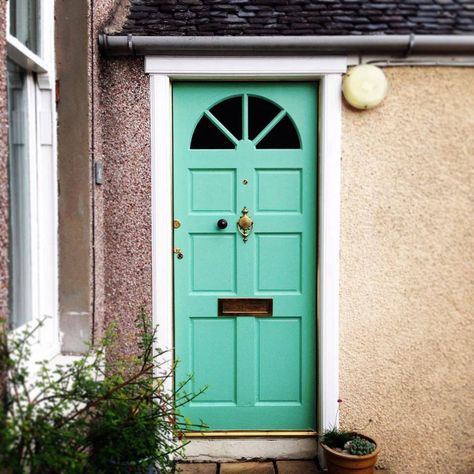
(32,171)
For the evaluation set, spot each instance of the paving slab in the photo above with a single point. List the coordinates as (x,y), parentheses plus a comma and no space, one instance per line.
(196,468)
(297,467)
(247,468)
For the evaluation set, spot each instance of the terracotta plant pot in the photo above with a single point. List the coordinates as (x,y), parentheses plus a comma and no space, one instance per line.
(341,463)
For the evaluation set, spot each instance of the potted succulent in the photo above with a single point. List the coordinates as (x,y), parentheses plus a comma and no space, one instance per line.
(349,452)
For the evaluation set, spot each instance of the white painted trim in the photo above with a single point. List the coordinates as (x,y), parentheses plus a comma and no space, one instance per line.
(47,33)
(19,53)
(329,72)
(162,213)
(329,229)
(218,67)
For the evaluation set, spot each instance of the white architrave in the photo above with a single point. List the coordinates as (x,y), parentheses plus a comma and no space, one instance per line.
(330,151)
(328,72)
(162,213)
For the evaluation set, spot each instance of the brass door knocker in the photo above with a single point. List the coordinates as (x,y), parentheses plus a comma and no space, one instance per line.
(245,224)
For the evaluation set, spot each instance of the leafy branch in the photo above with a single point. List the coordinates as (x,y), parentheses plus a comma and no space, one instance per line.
(96,414)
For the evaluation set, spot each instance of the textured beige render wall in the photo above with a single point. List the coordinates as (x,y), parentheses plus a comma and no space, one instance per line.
(407,275)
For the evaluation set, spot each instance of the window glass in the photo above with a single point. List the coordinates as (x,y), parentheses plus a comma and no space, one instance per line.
(25,22)
(229,114)
(261,113)
(282,135)
(19,186)
(207,136)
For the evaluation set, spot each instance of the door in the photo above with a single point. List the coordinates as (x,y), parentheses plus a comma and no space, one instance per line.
(245,297)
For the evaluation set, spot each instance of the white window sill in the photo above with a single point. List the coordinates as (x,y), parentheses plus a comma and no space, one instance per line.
(19,53)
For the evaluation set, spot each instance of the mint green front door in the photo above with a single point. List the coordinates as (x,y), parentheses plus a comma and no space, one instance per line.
(245,305)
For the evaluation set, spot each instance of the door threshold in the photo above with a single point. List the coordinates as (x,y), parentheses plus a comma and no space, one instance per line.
(251,434)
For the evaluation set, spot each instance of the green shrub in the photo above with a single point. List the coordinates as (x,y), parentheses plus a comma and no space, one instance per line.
(94,415)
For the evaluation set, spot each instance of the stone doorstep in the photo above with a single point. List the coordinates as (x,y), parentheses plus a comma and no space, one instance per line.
(263,467)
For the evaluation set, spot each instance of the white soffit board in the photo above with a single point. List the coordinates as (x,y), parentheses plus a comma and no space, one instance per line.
(190,67)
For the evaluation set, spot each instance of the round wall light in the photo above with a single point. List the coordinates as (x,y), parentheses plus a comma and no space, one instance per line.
(365,86)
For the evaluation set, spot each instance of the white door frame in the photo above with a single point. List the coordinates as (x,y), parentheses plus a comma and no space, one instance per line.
(328,72)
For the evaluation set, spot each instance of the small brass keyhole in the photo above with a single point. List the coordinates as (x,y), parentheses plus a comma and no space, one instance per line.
(178,253)
(245,182)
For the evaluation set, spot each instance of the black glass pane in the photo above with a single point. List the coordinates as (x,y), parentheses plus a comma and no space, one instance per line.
(229,114)
(207,136)
(282,135)
(261,112)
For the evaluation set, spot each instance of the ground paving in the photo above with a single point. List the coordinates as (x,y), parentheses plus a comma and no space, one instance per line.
(262,467)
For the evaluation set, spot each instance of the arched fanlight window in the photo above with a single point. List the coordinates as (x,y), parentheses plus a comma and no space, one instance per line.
(250,117)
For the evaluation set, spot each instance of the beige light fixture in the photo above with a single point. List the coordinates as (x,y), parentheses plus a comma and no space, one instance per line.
(365,86)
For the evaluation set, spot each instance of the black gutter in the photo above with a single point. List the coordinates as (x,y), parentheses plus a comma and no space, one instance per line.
(403,45)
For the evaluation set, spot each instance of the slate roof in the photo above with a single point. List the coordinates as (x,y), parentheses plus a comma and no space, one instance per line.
(298,17)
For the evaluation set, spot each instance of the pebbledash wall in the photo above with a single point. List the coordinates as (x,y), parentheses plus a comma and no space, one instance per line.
(4,275)
(3,172)
(120,128)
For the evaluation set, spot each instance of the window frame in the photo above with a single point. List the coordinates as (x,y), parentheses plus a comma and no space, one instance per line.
(42,185)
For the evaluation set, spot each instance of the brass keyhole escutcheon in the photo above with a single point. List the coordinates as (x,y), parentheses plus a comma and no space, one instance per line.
(178,253)
(245,224)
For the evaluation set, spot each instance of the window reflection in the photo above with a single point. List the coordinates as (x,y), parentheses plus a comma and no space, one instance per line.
(25,22)
(19,185)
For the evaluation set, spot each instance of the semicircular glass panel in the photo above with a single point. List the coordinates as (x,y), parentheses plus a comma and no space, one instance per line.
(267,125)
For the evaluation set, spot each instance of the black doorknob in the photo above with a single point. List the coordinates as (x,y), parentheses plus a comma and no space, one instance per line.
(221,223)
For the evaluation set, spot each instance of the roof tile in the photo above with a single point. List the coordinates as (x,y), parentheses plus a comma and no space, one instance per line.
(298,17)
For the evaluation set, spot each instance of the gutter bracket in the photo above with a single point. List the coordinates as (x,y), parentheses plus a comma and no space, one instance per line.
(411,45)
(130,44)
(103,42)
